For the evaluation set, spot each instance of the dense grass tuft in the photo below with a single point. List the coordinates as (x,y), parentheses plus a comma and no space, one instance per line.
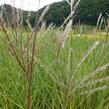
(51,78)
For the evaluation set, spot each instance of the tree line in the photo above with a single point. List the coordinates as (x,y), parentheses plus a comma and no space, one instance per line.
(87,12)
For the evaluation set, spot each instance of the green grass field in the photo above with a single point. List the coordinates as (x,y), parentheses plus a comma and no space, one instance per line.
(68,83)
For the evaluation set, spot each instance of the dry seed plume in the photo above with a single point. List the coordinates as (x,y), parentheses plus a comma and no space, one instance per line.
(97,71)
(95,89)
(73,7)
(90,83)
(64,37)
(67,30)
(88,53)
(43,14)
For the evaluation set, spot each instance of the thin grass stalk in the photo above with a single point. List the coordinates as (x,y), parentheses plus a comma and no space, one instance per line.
(98,21)
(29,96)
(68,97)
(70,86)
(29,84)
(19,24)
(28,21)
(34,32)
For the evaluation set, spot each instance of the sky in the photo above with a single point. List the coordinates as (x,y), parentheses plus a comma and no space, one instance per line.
(28,4)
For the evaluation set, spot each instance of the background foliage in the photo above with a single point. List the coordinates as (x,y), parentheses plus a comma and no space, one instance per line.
(87,12)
